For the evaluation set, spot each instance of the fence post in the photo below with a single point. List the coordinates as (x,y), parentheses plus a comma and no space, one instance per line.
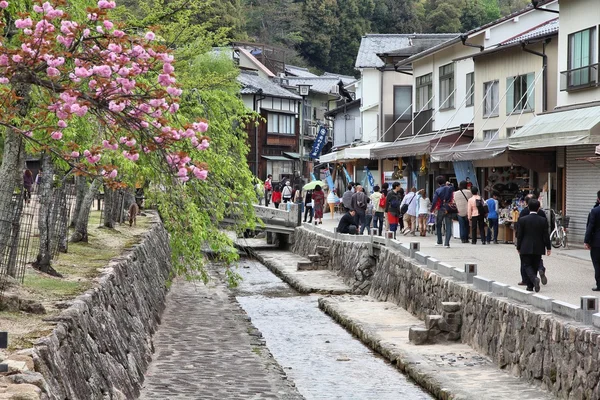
(3,345)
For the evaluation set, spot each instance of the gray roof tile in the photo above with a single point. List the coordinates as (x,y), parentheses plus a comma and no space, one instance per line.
(320,84)
(547,28)
(251,83)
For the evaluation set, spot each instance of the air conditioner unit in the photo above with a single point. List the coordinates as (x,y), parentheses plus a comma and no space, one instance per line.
(335,89)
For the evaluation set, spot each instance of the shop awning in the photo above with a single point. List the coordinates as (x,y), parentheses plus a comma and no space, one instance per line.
(561,128)
(364,151)
(276,158)
(419,144)
(290,154)
(483,150)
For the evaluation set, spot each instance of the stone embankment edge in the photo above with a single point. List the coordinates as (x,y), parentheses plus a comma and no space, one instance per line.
(102,344)
(403,362)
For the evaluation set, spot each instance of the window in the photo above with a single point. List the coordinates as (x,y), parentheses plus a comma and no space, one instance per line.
(582,54)
(424,93)
(403,103)
(492,134)
(470,89)
(490,99)
(281,123)
(511,131)
(520,95)
(447,86)
(279,168)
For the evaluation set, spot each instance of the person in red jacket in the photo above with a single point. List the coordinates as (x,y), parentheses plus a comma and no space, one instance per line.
(276,198)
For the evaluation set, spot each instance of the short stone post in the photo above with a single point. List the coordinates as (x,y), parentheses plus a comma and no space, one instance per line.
(3,345)
(589,305)
(389,235)
(374,231)
(471,271)
(414,247)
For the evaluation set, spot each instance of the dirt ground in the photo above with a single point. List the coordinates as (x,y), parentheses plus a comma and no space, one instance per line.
(79,267)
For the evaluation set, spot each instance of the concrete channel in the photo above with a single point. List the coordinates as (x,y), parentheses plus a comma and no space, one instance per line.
(319,356)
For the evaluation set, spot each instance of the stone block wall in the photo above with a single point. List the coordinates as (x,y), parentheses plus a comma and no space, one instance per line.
(350,259)
(557,354)
(102,344)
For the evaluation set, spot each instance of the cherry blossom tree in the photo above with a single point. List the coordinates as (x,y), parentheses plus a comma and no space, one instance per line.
(56,70)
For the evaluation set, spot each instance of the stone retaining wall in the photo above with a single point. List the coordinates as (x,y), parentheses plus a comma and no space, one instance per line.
(102,344)
(559,355)
(351,259)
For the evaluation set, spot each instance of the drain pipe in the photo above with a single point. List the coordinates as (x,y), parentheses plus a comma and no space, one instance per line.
(544,71)
(261,97)
(536,5)
(463,39)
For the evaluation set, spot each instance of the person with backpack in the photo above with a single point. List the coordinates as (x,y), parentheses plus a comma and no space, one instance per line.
(392,207)
(477,211)
(378,200)
(423,211)
(276,197)
(347,197)
(359,204)
(442,206)
(287,192)
(268,189)
(492,205)
(408,210)
(461,198)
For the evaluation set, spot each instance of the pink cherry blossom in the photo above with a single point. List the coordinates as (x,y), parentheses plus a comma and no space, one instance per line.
(106,4)
(56,135)
(118,33)
(87,153)
(3,4)
(150,36)
(168,68)
(74,154)
(4,80)
(62,124)
(17,58)
(23,23)
(51,71)
(201,174)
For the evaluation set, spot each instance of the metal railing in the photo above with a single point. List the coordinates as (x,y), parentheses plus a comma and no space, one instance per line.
(579,78)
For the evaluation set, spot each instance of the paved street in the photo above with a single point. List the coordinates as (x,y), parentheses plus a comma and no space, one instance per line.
(570,272)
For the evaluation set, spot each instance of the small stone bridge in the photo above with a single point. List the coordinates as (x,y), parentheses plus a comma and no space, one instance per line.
(275,220)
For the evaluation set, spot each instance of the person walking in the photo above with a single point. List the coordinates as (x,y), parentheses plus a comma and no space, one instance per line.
(532,239)
(359,204)
(268,189)
(442,198)
(423,212)
(378,216)
(492,218)
(392,207)
(401,220)
(591,240)
(476,214)
(332,200)
(347,223)
(347,197)
(318,198)
(27,185)
(462,199)
(541,269)
(276,197)
(368,217)
(408,208)
(38,180)
(308,206)
(287,192)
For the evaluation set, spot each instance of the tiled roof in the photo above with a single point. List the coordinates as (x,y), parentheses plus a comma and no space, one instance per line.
(320,84)
(347,79)
(545,29)
(372,45)
(299,72)
(251,83)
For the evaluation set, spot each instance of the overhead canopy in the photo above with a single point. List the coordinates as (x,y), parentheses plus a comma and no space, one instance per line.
(562,128)
(276,158)
(364,151)
(418,144)
(483,150)
(292,155)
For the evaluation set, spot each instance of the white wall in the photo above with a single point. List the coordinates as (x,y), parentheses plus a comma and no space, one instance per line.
(576,15)
(370,89)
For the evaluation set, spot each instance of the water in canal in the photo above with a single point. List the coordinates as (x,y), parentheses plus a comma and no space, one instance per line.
(323,360)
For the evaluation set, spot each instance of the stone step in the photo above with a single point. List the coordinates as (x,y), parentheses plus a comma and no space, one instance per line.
(322,250)
(316,257)
(418,335)
(306,265)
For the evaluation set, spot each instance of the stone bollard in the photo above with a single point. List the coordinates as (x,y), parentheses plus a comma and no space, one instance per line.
(389,235)
(589,305)
(374,232)
(471,271)
(414,247)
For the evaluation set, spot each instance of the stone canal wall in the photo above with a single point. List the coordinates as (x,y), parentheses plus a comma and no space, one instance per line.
(557,354)
(102,344)
(351,259)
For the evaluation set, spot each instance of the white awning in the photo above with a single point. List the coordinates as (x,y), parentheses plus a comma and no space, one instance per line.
(483,150)
(364,151)
(418,144)
(561,128)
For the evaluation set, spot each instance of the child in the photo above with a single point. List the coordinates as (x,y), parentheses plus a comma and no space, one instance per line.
(424,206)
(276,199)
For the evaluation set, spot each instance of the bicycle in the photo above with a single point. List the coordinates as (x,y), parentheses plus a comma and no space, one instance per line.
(558,237)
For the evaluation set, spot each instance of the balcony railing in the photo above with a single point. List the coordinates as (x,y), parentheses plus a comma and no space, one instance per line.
(579,78)
(423,123)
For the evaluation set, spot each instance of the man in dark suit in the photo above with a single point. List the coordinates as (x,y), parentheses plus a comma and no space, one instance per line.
(532,239)
(592,240)
(541,269)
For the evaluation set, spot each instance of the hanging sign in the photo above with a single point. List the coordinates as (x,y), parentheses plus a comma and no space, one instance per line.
(320,141)
(371,179)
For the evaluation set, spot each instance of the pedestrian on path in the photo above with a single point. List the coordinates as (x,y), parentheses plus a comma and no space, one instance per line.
(27,184)
(268,189)
(400,219)
(368,217)
(532,239)
(332,200)
(276,197)
(442,197)
(347,197)
(541,269)
(359,204)
(592,240)
(477,213)
(462,199)
(308,206)
(347,223)
(287,192)
(378,200)
(423,211)
(408,208)
(392,207)
(318,198)
(492,218)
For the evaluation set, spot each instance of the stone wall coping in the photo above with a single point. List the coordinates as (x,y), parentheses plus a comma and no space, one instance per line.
(519,294)
(542,302)
(421,257)
(445,269)
(483,284)
(567,310)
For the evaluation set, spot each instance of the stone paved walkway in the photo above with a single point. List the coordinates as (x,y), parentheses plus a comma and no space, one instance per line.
(449,368)
(206,348)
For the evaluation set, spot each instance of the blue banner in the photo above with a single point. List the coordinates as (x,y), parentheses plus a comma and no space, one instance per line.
(329,180)
(320,141)
(348,177)
(312,176)
(371,179)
